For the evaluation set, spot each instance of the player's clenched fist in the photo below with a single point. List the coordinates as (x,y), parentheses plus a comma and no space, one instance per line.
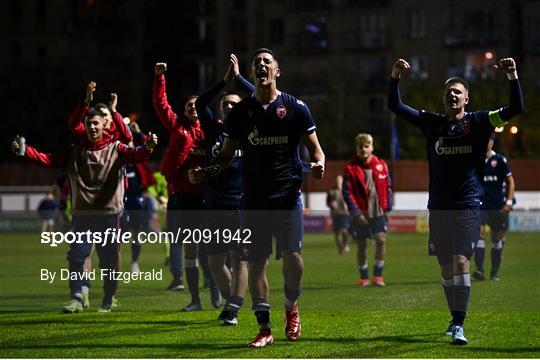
(318,169)
(400,66)
(506,65)
(160,68)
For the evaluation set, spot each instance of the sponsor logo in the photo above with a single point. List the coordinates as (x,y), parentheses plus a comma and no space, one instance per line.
(281,111)
(490,178)
(452,150)
(255,140)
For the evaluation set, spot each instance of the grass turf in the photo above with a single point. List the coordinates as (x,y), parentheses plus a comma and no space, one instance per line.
(404,319)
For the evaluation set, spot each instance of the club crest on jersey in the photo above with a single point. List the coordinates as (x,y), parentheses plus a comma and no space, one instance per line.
(493,163)
(379,167)
(281,111)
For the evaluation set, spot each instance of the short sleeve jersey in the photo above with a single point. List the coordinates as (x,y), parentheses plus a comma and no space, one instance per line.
(494,182)
(456,152)
(270,140)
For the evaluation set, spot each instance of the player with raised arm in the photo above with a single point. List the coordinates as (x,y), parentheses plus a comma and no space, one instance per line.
(499,187)
(223,194)
(456,147)
(269,126)
(114,126)
(186,150)
(96,177)
(114,129)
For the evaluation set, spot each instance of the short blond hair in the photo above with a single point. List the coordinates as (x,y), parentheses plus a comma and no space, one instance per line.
(364,138)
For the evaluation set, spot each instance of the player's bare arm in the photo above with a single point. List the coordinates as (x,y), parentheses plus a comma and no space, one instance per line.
(113,102)
(233,69)
(90,89)
(317,155)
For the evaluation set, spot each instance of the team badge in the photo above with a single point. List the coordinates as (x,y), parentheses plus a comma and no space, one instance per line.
(379,167)
(281,111)
(493,163)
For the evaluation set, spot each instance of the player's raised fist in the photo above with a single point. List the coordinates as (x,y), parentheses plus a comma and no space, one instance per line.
(506,65)
(18,145)
(317,169)
(400,66)
(233,70)
(195,175)
(114,102)
(90,89)
(151,141)
(160,68)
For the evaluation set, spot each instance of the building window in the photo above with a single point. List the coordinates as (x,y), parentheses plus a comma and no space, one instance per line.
(206,75)
(478,29)
(419,66)
(418,24)
(373,73)
(371,33)
(531,39)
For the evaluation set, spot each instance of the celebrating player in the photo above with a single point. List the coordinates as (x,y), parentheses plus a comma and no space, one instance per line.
(499,186)
(368,194)
(269,127)
(456,146)
(186,150)
(223,194)
(96,177)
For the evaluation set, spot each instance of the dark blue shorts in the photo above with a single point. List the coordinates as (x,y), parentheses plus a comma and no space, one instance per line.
(453,232)
(219,218)
(281,219)
(375,225)
(497,220)
(340,222)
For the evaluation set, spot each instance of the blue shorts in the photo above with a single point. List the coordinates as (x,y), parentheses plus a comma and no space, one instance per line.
(374,226)
(497,220)
(453,232)
(340,222)
(280,218)
(220,218)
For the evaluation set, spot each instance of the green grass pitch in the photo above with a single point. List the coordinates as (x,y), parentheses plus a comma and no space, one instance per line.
(405,319)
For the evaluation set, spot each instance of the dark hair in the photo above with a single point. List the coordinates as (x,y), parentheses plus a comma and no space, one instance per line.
(230,92)
(94,112)
(189,98)
(100,106)
(263,50)
(458,80)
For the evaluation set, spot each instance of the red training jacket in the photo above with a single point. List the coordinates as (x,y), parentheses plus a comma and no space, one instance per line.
(354,185)
(116,131)
(186,148)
